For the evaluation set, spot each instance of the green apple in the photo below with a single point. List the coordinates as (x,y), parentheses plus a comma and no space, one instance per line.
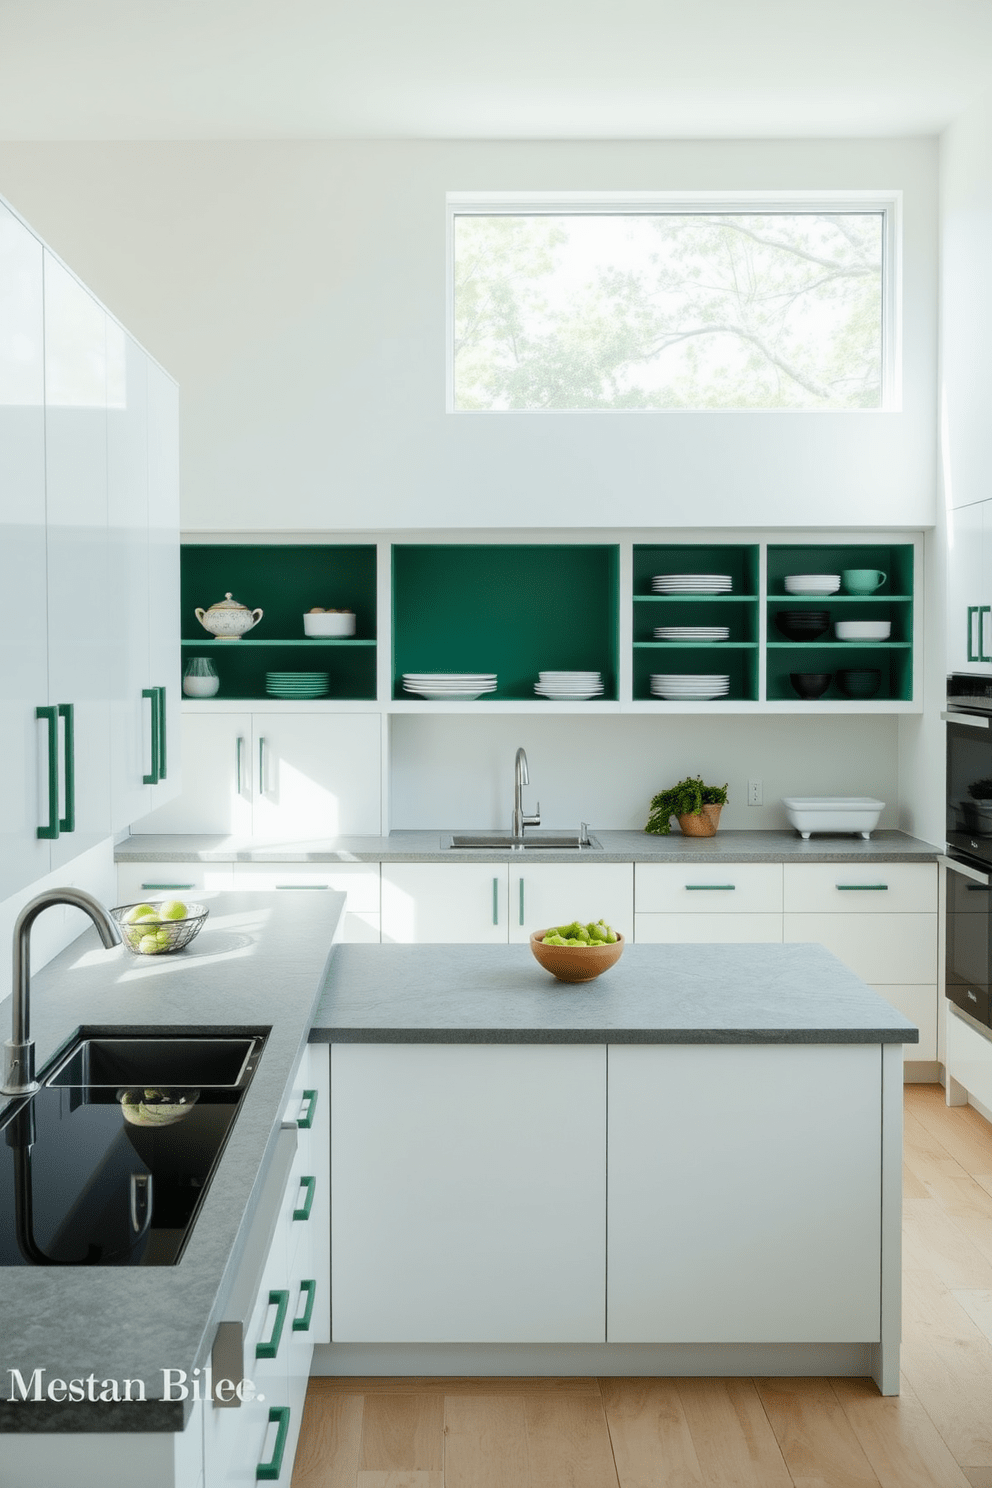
(172,909)
(136,912)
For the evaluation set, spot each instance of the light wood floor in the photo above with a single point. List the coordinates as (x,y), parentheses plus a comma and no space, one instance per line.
(719,1433)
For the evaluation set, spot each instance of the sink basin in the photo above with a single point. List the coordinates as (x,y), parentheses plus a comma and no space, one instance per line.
(218,1062)
(533,842)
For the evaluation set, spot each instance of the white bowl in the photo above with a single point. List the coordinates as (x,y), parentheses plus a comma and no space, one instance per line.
(330,623)
(812,583)
(833,814)
(863,630)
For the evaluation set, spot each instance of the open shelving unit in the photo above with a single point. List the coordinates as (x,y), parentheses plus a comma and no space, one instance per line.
(515,609)
(739,610)
(893,601)
(518,608)
(284,581)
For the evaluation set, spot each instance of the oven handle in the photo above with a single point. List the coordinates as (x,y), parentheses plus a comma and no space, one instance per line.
(972,720)
(985,879)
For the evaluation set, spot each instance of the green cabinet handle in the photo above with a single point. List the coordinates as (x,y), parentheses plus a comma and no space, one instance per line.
(50,716)
(308,1203)
(167,886)
(67,823)
(302,1324)
(269,1472)
(495,901)
(269,1347)
(862,888)
(160,709)
(310,1098)
(310,1184)
(521,901)
(980,611)
(153,777)
(703,888)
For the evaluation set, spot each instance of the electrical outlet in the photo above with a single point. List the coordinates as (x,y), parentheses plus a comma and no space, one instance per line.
(755,796)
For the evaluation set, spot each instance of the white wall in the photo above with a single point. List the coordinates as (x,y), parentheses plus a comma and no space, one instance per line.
(296,291)
(457,772)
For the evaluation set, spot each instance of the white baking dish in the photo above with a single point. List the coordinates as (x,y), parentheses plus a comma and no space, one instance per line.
(833,814)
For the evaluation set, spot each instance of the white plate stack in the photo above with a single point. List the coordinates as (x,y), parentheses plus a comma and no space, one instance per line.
(692,584)
(569,686)
(692,634)
(450,687)
(692,687)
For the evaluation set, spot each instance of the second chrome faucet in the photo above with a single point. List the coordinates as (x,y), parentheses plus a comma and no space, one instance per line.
(521,777)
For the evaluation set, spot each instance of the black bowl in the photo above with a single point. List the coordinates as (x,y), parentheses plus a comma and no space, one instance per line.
(855,683)
(810,684)
(796,625)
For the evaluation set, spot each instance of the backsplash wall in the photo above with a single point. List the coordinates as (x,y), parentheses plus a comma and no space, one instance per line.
(455,773)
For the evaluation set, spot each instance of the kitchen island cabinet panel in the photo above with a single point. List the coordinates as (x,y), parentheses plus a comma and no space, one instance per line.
(90,1459)
(774,1160)
(469,1193)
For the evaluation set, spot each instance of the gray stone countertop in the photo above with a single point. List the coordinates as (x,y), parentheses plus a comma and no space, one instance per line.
(781,845)
(258,964)
(689,994)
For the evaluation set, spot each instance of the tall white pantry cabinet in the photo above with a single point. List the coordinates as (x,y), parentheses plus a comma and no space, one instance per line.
(89,568)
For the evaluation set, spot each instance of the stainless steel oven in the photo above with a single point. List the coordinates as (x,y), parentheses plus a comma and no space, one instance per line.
(968,973)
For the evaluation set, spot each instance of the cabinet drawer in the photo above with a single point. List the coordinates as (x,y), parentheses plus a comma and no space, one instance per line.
(861,888)
(708,888)
(919,1005)
(137,881)
(886,948)
(969,1058)
(360,881)
(709,929)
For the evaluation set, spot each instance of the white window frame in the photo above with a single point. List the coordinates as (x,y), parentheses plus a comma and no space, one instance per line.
(654,203)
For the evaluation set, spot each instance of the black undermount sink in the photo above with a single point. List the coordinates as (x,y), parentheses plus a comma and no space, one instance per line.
(533,842)
(155,1061)
(108,1163)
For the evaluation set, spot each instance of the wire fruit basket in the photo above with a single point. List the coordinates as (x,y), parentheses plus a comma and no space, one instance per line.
(153,935)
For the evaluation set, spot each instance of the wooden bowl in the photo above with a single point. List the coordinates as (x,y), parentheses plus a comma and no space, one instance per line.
(575,963)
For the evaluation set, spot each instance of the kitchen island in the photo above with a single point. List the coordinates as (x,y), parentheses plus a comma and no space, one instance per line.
(688,1166)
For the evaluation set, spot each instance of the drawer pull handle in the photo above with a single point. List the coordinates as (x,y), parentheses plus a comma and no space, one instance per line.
(168,886)
(67,823)
(302,1324)
(697,888)
(310,1184)
(305,1119)
(155,773)
(521,901)
(269,1348)
(862,888)
(495,901)
(302,886)
(271,1471)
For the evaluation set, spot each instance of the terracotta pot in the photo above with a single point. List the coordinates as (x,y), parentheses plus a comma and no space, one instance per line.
(704,825)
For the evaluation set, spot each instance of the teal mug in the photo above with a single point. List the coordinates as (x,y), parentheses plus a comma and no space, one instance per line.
(862,580)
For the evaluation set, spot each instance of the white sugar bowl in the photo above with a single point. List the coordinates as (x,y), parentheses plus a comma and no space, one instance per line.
(228,620)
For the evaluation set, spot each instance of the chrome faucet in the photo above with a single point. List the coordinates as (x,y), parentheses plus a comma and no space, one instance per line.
(521,777)
(18,1063)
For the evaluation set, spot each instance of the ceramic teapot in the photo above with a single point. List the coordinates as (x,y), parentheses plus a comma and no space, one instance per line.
(227,619)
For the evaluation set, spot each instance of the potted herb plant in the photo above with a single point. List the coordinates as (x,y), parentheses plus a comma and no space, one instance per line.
(696,806)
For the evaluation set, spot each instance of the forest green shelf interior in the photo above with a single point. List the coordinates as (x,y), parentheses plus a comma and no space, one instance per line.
(284,581)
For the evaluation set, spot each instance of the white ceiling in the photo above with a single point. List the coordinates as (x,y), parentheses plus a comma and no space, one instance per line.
(487,69)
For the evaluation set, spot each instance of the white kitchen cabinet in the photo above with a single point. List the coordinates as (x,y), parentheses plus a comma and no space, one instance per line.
(23,563)
(879,919)
(494,903)
(79,577)
(712,903)
(164,661)
(469,1193)
(288,1310)
(276,776)
(969,589)
(139,881)
(919,1004)
(104,1459)
(776,1161)
(359,881)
